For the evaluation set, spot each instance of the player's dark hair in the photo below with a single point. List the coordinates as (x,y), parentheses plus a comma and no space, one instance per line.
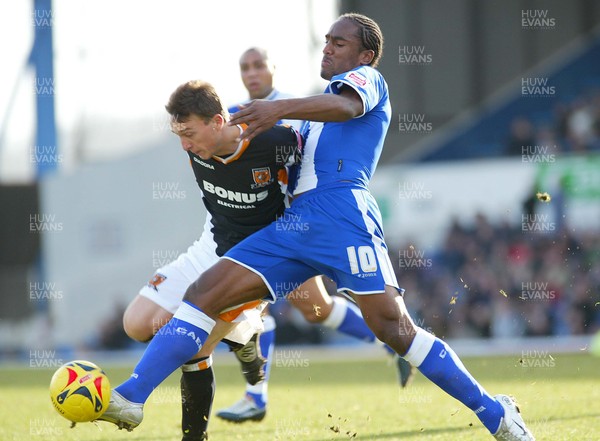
(195,98)
(369,33)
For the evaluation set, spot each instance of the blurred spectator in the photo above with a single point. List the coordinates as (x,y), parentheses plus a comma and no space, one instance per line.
(522,134)
(546,137)
(580,125)
(111,334)
(506,321)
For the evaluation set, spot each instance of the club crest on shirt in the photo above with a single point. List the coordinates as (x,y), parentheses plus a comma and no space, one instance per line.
(262,177)
(156,280)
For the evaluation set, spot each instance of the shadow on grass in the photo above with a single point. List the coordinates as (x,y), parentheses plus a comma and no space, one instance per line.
(552,418)
(456,430)
(406,433)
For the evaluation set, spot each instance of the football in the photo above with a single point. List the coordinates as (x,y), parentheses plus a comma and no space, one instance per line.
(80,391)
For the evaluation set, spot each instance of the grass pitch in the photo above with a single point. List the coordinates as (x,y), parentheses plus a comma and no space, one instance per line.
(335,400)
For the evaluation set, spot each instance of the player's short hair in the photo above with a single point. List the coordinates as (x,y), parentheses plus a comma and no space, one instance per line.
(369,33)
(259,50)
(195,97)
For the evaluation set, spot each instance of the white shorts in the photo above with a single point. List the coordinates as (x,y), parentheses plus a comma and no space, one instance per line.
(170,282)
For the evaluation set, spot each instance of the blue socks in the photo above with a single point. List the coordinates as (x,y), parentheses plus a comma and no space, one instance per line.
(345,317)
(440,364)
(182,337)
(174,344)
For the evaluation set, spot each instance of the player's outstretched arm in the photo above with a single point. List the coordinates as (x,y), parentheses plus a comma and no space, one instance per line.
(261,115)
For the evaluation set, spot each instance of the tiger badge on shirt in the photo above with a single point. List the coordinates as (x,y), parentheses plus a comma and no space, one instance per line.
(261,176)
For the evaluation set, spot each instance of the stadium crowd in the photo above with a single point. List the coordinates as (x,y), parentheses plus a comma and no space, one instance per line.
(503,281)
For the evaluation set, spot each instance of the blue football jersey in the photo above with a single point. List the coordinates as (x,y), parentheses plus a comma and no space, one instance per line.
(334,227)
(349,150)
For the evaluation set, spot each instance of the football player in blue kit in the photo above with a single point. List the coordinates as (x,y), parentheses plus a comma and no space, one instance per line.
(314,303)
(344,240)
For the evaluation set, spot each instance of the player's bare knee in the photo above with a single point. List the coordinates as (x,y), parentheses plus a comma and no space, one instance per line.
(397,333)
(195,295)
(378,328)
(314,315)
(137,329)
(313,311)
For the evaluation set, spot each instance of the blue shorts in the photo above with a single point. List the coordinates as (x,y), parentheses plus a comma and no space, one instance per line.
(335,231)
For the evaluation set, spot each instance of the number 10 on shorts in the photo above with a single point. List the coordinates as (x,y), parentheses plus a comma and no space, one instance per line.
(363,256)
